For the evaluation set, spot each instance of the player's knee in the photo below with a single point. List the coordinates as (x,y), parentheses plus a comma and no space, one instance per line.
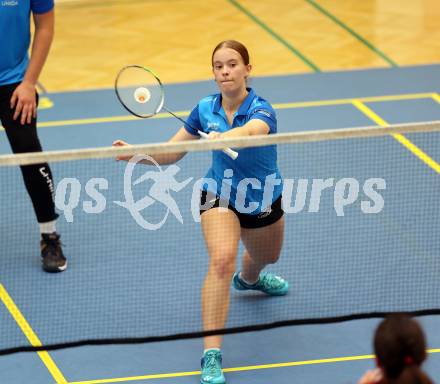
(223,263)
(25,145)
(24,138)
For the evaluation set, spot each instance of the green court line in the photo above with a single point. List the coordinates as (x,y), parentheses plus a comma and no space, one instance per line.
(352,32)
(276,36)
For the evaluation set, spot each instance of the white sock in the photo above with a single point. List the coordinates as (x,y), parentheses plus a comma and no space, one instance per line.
(247,282)
(48,227)
(211,349)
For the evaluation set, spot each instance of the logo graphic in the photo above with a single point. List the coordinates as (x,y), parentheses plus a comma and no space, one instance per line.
(264,214)
(164,182)
(45,174)
(11,3)
(263,112)
(213,126)
(345,195)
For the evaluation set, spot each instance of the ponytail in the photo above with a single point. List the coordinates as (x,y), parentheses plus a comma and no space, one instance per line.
(410,374)
(400,348)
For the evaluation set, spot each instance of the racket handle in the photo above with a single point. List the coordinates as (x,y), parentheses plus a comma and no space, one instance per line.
(231,153)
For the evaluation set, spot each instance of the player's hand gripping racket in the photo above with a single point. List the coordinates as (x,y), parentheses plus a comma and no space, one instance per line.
(141,93)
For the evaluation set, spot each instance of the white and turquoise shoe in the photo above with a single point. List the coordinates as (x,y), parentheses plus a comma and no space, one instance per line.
(268,283)
(212,368)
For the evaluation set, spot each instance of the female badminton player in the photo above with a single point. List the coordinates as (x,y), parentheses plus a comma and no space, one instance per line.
(251,209)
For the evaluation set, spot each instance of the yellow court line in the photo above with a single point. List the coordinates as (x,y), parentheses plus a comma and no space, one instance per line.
(45,103)
(436,97)
(370,99)
(399,137)
(236,369)
(99,120)
(30,334)
(300,104)
(113,119)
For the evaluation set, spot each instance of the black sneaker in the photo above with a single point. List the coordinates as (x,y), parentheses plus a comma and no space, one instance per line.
(52,254)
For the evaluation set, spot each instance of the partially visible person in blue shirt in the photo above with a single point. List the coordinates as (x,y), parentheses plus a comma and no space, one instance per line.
(241,199)
(18,108)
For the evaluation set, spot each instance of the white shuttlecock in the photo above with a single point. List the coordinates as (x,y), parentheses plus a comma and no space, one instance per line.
(142,95)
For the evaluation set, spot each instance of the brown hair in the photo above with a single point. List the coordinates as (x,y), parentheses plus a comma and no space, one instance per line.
(400,347)
(236,46)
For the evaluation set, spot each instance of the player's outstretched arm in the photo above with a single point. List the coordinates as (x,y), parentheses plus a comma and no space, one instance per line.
(251,128)
(163,158)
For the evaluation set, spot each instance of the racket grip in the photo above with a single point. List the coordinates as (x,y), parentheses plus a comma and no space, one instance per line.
(231,153)
(228,151)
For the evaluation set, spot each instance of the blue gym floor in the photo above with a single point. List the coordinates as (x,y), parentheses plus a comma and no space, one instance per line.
(116,289)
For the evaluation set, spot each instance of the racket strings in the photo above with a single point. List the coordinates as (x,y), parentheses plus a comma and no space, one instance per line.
(139,91)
